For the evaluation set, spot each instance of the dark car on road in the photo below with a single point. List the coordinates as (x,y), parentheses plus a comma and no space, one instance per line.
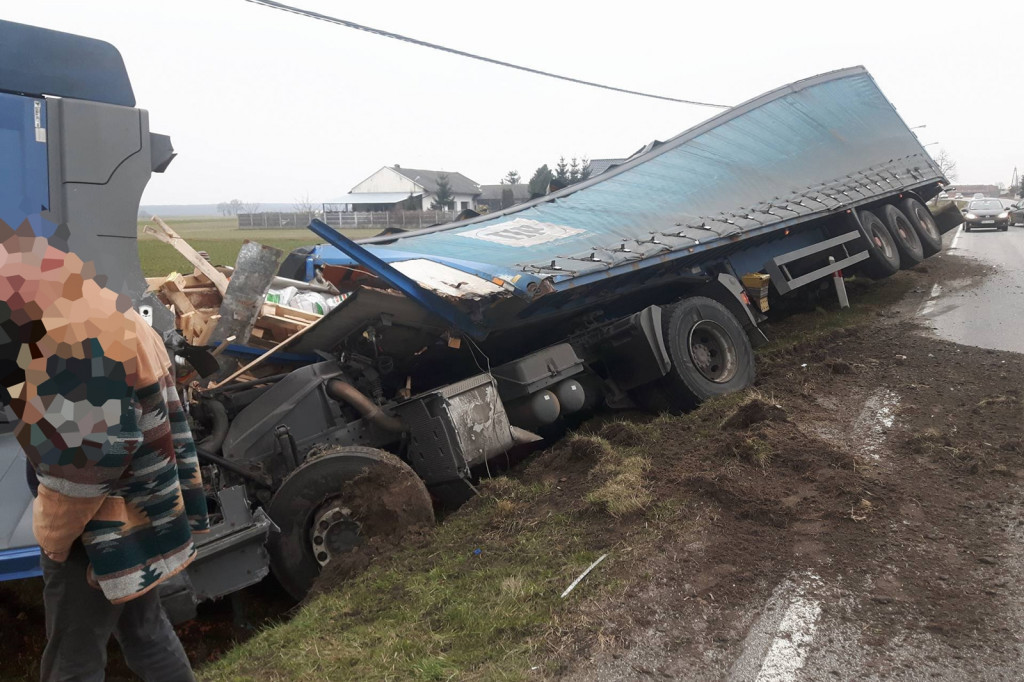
(1016,212)
(986,213)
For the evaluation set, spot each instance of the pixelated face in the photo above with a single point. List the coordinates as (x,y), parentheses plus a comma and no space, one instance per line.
(68,352)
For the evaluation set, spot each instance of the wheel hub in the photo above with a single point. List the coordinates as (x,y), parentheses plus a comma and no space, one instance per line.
(334,532)
(882,243)
(929,225)
(712,351)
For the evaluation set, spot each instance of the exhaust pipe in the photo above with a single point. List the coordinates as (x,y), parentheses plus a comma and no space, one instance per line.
(342,391)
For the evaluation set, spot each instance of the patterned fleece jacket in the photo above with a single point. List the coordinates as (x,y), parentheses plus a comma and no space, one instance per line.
(101,422)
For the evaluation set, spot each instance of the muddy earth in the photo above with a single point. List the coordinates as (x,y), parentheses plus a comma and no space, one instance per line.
(857,515)
(860,517)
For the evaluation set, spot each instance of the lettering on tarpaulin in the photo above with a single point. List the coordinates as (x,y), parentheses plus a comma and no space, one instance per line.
(522,232)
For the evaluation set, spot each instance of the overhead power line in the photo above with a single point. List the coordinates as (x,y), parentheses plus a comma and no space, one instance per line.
(470,55)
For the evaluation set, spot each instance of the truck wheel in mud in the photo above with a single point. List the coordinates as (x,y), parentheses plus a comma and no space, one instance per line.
(711,355)
(903,233)
(884,258)
(921,218)
(329,506)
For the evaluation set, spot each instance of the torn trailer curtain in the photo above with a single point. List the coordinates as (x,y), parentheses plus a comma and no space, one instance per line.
(804,150)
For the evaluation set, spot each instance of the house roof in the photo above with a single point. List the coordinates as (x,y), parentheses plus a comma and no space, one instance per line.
(373,197)
(427,179)
(598,166)
(520,192)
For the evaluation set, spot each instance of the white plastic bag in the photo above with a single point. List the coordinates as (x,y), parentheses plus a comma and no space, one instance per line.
(282,296)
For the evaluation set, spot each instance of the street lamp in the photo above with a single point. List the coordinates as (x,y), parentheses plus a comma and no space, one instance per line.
(929,144)
(923,125)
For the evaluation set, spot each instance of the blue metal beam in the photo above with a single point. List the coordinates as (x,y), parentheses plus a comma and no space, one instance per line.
(16,564)
(396,279)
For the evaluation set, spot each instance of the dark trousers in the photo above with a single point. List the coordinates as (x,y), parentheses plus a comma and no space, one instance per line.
(80,621)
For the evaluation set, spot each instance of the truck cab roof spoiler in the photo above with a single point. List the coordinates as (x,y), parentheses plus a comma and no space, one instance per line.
(38,61)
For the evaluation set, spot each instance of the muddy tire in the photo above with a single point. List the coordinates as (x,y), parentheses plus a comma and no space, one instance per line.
(883,256)
(710,352)
(921,218)
(323,512)
(903,233)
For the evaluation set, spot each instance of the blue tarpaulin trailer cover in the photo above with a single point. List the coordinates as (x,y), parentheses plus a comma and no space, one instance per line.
(805,150)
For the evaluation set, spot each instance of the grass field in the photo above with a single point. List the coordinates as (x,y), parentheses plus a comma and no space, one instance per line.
(221,238)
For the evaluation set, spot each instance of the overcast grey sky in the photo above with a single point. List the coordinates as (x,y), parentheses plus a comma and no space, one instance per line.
(267,106)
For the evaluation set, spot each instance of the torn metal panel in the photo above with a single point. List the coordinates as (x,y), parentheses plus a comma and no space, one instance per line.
(254,272)
(446,280)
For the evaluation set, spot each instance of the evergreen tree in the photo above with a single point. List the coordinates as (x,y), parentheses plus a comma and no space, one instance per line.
(511,178)
(562,172)
(540,181)
(585,169)
(444,199)
(574,171)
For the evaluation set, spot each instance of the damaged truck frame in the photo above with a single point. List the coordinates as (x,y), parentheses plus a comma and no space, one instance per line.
(643,286)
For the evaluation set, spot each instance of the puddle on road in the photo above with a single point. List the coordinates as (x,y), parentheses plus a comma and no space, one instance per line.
(873,423)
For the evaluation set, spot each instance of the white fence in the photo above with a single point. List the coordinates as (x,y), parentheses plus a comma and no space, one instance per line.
(346,219)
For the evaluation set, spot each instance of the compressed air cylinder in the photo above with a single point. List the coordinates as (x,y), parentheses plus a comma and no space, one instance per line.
(536,410)
(570,394)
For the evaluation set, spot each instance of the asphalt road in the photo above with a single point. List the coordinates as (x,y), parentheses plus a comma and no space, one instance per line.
(991,314)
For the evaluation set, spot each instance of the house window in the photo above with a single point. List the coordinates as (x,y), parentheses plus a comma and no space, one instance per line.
(464,205)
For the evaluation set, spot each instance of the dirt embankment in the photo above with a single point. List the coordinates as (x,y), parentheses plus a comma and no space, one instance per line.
(874,458)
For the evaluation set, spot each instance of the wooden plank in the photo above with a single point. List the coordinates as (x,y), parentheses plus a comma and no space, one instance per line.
(281,327)
(203,338)
(173,291)
(204,298)
(261,359)
(279,310)
(169,236)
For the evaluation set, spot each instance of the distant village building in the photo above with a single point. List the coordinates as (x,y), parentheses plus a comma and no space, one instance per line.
(394,188)
(970,190)
(497,197)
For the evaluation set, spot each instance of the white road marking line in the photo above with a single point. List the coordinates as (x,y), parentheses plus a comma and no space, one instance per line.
(929,304)
(792,642)
(956,237)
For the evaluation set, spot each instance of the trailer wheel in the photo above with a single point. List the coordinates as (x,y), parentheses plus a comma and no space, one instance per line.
(711,355)
(921,218)
(884,258)
(904,234)
(332,503)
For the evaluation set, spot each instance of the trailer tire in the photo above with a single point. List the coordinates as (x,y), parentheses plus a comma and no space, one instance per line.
(904,234)
(884,257)
(710,352)
(321,512)
(923,221)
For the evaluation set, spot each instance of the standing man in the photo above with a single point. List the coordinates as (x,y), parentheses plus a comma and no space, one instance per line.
(119,489)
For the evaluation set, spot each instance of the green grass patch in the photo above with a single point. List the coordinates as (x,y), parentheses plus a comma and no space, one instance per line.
(434,612)
(221,238)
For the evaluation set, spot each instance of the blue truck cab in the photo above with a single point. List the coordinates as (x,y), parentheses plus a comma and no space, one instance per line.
(75,156)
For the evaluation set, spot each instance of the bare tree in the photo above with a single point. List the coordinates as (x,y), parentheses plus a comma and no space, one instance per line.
(946,164)
(303,204)
(249,207)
